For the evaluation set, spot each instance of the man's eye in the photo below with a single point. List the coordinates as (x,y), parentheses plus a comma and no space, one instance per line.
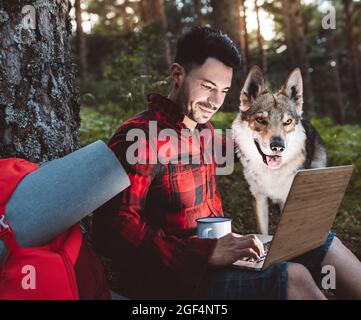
(207,87)
(289,121)
(261,121)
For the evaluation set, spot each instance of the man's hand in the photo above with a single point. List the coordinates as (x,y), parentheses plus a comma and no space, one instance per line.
(233,246)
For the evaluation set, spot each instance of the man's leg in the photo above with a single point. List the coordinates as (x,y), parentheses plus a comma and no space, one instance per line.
(348,270)
(282,280)
(300,285)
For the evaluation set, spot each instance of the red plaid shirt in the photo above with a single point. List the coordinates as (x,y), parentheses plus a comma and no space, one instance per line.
(149,228)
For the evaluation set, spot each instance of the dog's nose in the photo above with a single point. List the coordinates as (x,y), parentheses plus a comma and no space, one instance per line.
(277,145)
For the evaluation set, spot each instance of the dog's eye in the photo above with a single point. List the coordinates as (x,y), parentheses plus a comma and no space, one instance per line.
(289,121)
(261,121)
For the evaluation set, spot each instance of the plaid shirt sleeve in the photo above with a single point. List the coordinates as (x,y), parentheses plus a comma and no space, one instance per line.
(184,258)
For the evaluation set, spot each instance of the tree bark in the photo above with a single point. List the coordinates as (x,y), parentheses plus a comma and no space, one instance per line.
(81,45)
(353,53)
(261,55)
(160,17)
(339,111)
(39,98)
(296,47)
(199,21)
(226,17)
(341,108)
(144,14)
(126,18)
(244,37)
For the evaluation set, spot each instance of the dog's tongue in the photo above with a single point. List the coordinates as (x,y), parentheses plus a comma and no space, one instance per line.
(274,162)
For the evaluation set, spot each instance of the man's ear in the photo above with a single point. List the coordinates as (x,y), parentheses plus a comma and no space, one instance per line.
(293,89)
(177,74)
(254,85)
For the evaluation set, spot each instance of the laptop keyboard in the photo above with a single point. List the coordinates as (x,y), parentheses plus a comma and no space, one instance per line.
(266,246)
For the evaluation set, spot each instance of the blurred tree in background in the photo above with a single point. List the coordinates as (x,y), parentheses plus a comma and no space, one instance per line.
(128,46)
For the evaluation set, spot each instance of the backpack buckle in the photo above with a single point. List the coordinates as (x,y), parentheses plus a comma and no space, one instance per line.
(7,234)
(3,223)
(4,227)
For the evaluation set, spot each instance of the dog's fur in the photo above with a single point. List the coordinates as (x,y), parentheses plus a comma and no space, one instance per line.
(273,141)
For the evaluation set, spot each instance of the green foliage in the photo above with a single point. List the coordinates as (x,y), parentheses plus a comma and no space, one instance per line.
(223,120)
(128,72)
(104,94)
(343,141)
(96,126)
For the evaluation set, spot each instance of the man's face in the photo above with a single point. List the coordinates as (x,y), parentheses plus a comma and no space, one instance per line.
(203,90)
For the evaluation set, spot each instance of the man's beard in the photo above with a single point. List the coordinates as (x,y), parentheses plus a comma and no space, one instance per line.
(183,102)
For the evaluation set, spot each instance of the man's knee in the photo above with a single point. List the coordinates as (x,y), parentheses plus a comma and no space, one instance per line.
(337,253)
(301,284)
(336,242)
(336,248)
(298,275)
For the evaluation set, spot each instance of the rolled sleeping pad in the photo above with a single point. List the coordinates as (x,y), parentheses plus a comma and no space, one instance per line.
(61,192)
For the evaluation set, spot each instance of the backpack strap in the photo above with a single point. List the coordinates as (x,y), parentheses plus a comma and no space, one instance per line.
(7,235)
(69,242)
(73,244)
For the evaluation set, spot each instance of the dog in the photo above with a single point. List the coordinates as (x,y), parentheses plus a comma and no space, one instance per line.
(273,141)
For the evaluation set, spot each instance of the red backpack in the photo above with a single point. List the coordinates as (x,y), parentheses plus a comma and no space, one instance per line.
(39,273)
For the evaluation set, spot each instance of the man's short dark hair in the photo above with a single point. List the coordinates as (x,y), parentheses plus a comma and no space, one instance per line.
(201,43)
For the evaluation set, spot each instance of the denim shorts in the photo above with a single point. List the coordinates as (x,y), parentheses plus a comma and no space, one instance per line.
(236,284)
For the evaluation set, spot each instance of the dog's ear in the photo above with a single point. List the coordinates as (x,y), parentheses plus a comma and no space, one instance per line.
(254,85)
(293,89)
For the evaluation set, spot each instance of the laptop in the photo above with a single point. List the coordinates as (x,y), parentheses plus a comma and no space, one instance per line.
(307,217)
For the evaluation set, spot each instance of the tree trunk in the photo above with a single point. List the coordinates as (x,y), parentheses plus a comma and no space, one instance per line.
(340,108)
(226,17)
(353,54)
(296,47)
(199,21)
(261,55)
(39,99)
(289,27)
(160,17)
(127,22)
(143,10)
(81,45)
(244,37)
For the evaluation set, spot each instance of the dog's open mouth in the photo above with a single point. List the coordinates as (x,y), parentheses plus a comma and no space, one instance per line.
(273,162)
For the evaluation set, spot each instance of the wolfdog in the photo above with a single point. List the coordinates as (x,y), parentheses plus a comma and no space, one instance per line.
(273,141)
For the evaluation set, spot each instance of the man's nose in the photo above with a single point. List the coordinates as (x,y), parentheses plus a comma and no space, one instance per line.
(215,100)
(277,144)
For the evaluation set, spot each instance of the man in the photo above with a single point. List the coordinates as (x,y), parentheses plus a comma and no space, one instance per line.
(148,230)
